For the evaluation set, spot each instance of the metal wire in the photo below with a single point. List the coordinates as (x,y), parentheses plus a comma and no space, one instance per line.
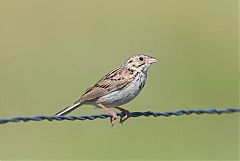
(133,114)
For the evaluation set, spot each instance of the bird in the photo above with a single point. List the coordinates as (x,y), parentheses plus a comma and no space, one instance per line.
(116,88)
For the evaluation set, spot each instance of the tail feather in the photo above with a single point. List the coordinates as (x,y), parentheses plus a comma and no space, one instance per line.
(68,109)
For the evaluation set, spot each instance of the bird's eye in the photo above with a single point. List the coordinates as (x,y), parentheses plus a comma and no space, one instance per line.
(141,58)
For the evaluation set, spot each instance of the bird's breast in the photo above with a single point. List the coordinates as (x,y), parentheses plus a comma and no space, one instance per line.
(124,95)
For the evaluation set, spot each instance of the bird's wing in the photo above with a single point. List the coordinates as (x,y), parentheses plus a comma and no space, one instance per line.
(115,80)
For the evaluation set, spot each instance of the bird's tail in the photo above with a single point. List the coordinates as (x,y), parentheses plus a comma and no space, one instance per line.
(69,109)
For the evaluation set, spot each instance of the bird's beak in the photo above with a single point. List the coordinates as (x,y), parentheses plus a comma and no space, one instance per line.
(151,60)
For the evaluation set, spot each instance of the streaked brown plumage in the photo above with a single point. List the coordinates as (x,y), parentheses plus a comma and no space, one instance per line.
(116,88)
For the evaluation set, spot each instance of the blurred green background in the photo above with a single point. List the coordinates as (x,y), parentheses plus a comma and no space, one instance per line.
(51,51)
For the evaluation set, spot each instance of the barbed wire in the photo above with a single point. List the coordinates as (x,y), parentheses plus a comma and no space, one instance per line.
(133,114)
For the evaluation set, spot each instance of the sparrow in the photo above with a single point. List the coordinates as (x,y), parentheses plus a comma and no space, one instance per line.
(116,88)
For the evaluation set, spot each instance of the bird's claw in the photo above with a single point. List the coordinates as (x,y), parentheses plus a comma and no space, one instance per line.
(124,116)
(113,119)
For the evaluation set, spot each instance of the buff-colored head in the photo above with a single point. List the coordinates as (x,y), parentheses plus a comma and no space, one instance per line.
(140,62)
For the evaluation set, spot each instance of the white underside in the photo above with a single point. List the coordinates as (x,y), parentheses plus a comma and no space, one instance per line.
(120,97)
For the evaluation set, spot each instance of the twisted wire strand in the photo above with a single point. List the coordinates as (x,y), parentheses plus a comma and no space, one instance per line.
(104,116)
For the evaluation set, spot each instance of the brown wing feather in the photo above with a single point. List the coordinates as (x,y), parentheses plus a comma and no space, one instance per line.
(115,80)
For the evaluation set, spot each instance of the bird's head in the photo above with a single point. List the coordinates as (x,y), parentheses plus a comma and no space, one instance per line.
(140,62)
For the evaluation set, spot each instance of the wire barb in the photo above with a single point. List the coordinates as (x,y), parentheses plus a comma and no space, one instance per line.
(133,114)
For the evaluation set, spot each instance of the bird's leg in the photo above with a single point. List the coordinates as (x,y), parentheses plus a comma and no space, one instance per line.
(114,115)
(126,113)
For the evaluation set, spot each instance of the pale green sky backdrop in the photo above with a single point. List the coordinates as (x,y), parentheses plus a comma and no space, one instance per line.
(51,51)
